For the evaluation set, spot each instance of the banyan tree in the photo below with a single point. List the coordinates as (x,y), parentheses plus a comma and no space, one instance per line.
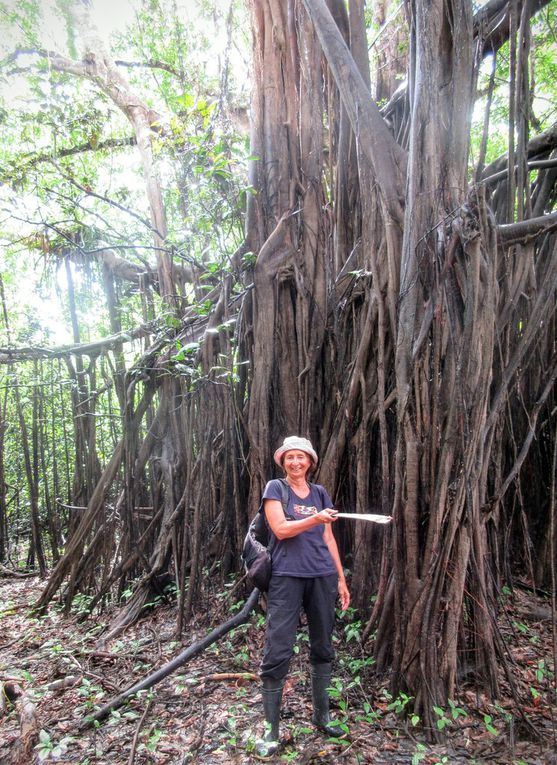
(393,300)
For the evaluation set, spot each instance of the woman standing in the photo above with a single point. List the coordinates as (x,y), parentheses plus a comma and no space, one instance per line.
(308,574)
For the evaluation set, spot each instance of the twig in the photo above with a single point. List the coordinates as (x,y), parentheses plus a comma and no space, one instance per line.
(138,731)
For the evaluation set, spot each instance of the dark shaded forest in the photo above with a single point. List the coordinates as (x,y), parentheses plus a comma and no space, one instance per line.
(230,222)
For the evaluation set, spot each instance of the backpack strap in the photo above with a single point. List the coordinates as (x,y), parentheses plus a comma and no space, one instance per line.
(285,493)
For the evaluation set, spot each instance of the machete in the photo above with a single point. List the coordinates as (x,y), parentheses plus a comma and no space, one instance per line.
(366,517)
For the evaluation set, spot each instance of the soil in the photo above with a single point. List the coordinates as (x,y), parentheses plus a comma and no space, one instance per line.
(55,671)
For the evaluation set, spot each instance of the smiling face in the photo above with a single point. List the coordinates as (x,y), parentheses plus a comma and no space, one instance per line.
(296,463)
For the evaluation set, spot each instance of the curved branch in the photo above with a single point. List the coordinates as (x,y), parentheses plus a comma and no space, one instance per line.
(96,68)
(132,272)
(151,64)
(56,60)
(541,144)
(492,23)
(8,355)
(523,231)
(123,268)
(541,164)
(32,160)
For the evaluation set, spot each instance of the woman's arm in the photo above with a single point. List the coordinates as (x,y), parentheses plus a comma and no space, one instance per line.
(343,591)
(284,529)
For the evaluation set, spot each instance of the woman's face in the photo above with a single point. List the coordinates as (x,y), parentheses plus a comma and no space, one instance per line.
(296,463)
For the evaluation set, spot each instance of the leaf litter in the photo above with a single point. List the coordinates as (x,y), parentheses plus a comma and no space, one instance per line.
(52,676)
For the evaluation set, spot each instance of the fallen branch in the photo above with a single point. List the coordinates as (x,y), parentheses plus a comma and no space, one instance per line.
(189,653)
(219,677)
(63,683)
(5,571)
(22,750)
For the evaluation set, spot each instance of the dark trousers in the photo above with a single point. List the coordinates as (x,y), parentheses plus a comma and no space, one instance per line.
(287,596)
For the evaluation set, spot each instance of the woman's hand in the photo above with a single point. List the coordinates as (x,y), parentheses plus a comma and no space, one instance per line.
(328,515)
(285,529)
(343,594)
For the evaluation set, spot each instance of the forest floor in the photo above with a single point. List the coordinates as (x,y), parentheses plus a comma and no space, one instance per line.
(208,712)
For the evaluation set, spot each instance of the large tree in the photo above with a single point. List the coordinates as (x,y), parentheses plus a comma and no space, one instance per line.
(384,323)
(393,299)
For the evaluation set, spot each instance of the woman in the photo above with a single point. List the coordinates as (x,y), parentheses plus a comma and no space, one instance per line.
(307,573)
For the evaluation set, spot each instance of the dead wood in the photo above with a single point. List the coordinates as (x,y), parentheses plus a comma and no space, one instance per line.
(63,683)
(189,653)
(10,691)
(22,752)
(9,572)
(220,677)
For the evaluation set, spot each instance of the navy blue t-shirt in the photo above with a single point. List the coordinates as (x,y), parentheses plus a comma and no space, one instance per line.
(305,555)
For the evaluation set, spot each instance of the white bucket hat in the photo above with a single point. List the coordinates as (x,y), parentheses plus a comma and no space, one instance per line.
(295,442)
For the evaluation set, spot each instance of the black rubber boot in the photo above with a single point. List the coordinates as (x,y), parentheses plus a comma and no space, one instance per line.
(269,743)
(320,681)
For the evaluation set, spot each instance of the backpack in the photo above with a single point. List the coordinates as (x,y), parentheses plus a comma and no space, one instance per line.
(258,545)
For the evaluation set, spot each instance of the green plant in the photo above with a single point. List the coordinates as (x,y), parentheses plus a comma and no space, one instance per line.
(54,648)
(230,734)
(356,665)
(337,692)
(7,608)
(419,754)
(289,756)
(154,735)
(260,621)
(369,715)
(445,718)
(116,716)
(490,728)
(81,604)
(353,631)
(399,704)
(47,747)
(456,711)
(521,627)
(89,692)
(507,716)
(442,720)
(542,671)
(301,637)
